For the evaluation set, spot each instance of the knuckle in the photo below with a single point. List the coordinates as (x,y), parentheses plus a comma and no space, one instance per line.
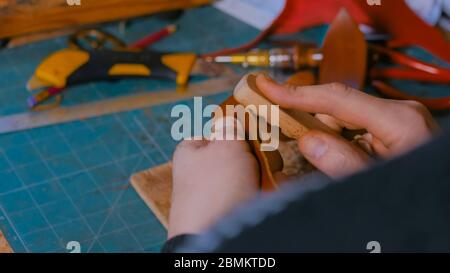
(182,145)
(226,146)
(291,90)
(338,92)
(341,89)
(415,105)
(414,113)
(190,144)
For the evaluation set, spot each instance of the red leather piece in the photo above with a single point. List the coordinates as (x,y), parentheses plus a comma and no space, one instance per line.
(391,92)
(407,29)
(302,14)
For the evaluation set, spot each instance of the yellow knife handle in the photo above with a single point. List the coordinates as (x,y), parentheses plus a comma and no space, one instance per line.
(109,64)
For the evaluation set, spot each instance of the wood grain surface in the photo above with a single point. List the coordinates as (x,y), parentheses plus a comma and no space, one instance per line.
(4,246)
(154,186)
(27,16)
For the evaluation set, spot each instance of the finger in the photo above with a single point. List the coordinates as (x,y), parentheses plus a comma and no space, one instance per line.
(364,142)
(344,103)
(331,122)
(332,155)
(379,148)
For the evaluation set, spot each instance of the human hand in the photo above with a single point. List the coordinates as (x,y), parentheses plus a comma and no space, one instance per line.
(210,178)
(394,127)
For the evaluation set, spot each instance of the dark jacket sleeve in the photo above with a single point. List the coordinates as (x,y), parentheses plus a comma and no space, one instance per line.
(173,243)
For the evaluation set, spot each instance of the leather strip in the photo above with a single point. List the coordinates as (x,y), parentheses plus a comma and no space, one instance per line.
(269,162)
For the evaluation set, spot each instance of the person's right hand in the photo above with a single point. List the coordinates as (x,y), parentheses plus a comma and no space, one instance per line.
(394,127)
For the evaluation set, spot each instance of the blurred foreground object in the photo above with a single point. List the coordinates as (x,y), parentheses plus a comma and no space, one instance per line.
(24,17)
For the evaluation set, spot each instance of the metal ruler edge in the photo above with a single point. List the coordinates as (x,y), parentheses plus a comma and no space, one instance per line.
(30,120)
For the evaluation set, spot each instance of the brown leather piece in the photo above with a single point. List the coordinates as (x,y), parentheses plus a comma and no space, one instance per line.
(269,162)
(344,53)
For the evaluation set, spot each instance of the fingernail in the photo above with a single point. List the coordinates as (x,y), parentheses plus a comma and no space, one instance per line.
(314,147)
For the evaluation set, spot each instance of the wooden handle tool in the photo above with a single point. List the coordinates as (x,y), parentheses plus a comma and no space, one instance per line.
(293,123)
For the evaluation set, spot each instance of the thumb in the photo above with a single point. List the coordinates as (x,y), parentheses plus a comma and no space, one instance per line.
(331,154)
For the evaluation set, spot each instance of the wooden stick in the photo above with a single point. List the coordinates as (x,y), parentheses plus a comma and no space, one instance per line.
(293,123)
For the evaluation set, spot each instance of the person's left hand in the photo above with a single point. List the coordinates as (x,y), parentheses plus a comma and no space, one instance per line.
(210,178)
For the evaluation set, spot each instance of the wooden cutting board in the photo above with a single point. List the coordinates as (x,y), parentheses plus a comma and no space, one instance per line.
(154,186)
(4,246)
(29,16)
